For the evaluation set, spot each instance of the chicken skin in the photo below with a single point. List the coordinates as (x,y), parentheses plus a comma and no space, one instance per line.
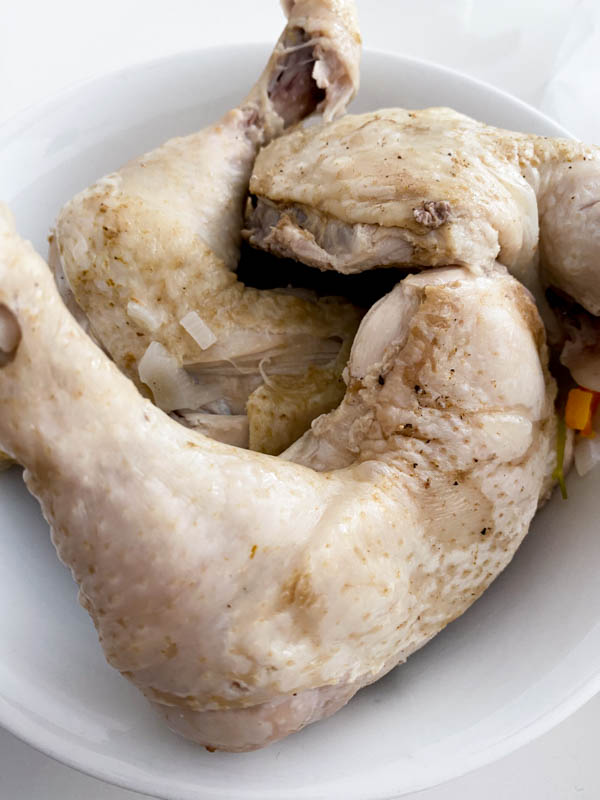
(146,257)
(246,595)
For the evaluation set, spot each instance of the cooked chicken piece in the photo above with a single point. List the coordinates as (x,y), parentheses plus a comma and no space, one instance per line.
(246,595)
(431,188)
(147,255)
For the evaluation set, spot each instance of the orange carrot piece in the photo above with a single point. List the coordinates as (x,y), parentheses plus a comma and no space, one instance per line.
(578,412)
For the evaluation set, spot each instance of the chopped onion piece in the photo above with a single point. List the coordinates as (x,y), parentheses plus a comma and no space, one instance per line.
(240,352)
(587,454)
(198,330)
(230,429)
(220,406)
(144,316)
(80,247)
(172,387)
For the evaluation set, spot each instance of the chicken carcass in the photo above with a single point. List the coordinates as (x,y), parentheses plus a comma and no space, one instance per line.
(431,188)
(147,255)
(248,595)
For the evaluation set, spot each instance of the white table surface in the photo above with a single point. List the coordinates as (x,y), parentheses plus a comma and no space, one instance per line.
(545,51)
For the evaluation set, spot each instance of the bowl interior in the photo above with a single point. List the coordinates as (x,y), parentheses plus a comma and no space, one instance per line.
(522,658)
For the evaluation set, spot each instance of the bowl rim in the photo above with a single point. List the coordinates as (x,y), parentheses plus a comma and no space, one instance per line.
(104,768)
(22,118)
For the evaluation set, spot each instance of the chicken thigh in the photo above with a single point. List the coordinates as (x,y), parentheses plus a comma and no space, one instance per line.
(146,256)
(431,188)
(248,595)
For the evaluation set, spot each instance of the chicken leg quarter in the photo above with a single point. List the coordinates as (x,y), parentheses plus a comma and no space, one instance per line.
(147,255)
(432,187)
(248,595)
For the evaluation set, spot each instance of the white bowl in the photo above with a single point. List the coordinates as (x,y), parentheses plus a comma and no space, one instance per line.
(523,658)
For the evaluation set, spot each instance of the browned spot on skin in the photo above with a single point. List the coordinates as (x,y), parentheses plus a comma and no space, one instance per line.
(121,622)
(170,699)
(222,702)
(171,650)
(92,570)
(528,311)
(370,632)
(210,749)
(297,591)
(108,233)
(253,551)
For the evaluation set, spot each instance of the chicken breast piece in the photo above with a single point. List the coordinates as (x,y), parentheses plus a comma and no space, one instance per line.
(146,256)
(247,595)
(431,187)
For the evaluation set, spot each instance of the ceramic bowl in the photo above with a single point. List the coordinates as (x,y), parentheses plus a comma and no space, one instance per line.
(524,657)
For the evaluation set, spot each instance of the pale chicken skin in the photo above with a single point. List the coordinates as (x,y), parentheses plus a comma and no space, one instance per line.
(248,595)
(158,240)
(427,188)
